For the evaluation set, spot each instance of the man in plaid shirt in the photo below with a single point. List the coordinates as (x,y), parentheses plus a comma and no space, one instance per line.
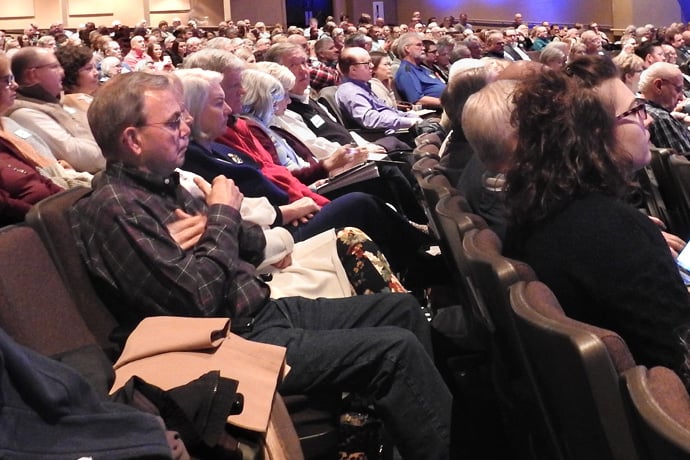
(662,87)
(156,250)
(324,72)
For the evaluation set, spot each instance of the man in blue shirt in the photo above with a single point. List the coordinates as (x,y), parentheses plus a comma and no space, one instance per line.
(357,101)
(416,84)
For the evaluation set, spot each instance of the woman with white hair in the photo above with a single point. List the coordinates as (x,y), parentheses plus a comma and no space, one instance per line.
(265,97)
(553,56)
(326,265)
(110,66)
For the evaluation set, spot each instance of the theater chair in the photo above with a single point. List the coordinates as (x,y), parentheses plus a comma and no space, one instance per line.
(660,406)
(50,222)
(38,312)
(578,368)
(528,422)
(672,190)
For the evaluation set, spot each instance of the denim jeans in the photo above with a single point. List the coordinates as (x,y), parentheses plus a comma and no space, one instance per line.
(377,345)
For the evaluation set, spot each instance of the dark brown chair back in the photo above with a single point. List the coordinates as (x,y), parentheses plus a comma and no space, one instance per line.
(35,306)
(49,219)
(667,176)
(520,396)
(660,406)
(454,222)
(578,368)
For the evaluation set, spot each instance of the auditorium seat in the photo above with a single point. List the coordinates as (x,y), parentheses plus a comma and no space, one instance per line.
(578,368)
(679,167)
(35,307)
(49,219)
(671,191)
(661,408)
(528,421)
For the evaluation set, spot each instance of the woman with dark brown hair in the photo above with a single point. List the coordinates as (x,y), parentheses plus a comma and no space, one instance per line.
(178,51)
(81,80)
(81,74)
(581,134)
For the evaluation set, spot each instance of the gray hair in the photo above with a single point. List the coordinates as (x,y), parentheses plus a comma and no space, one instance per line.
(107,65)
(262,92)
(277,51)
(280,72)
(213,59)
(491,106)
(551,53)
(657,70)
(221,43)
(196,84)
(404,40)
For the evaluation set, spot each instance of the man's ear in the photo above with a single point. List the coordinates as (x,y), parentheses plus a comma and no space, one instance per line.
(131,140)
(28,77)
(658,83)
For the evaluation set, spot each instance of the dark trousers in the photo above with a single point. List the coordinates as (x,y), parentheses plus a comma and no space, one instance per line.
(398,240)
(377,345)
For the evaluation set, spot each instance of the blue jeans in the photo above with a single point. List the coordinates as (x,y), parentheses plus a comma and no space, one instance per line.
(377,345)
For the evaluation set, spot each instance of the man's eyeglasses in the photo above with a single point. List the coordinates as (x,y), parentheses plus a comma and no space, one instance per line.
(51,66)
(174,124)
(678,88)
(367,63)
(7,81)
(639,110)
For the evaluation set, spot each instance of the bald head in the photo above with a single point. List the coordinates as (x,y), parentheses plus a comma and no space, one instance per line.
(355,63)
(38,66)
(662,83)
(592,41)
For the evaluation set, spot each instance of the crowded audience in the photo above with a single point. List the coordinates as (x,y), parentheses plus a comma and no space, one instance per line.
(188,135)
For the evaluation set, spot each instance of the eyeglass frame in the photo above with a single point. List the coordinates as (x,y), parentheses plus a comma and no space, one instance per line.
(7,80)
(52,65)
(679,88)
(369,63)
(639,109)
(174,124)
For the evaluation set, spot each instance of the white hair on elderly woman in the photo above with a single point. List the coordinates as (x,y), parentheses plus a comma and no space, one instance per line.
(262,93)
(196,84)
(282,73)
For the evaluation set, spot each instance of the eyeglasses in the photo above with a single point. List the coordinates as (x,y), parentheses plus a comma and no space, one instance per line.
(51,66)
(678,88)
(639,109)
(362,63)
(174,124)
(7,81)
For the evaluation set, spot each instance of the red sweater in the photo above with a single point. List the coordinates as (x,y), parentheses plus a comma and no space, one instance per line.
(239,136)
(21,186)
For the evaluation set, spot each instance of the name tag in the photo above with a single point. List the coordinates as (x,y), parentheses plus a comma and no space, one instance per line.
(70,110)
(22,133)
(317,121)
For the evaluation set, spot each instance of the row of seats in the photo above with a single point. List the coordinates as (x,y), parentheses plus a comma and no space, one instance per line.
(665,185)
(48,303)
(567,390)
